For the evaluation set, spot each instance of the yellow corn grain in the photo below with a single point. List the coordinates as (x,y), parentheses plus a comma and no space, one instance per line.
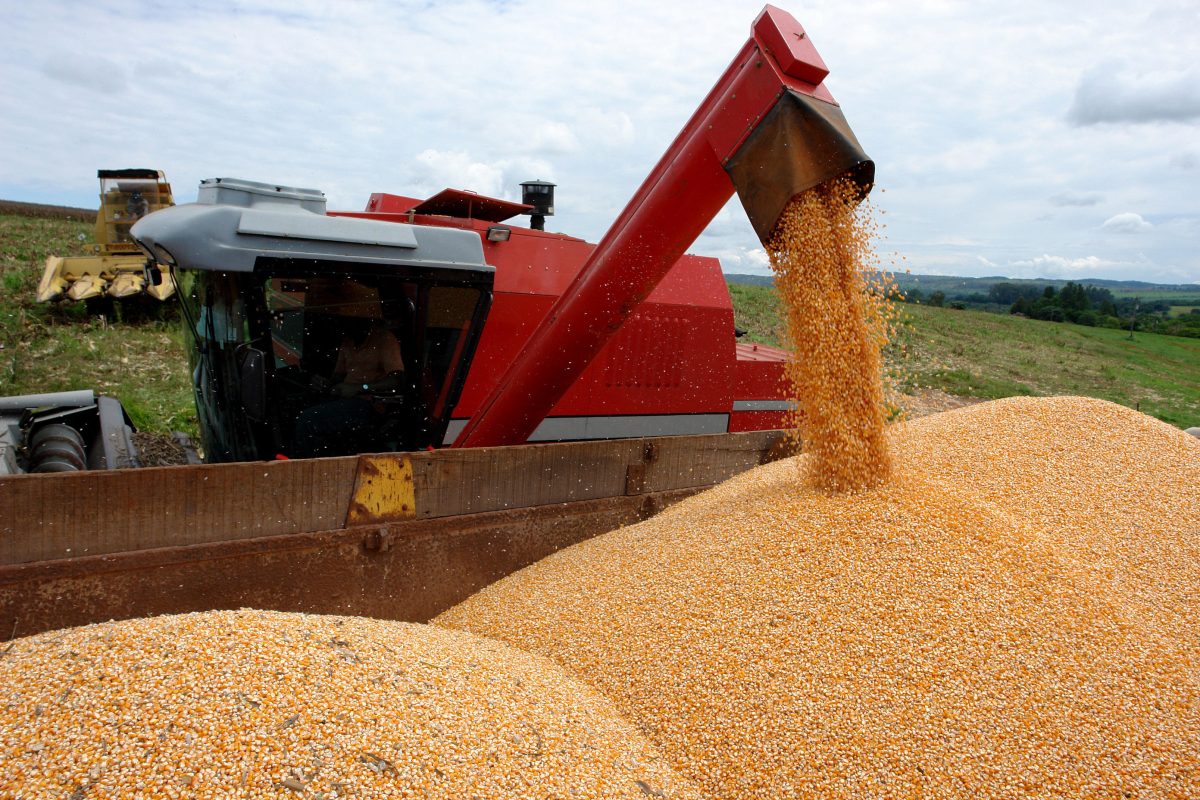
(1015,614)
(837,319)
(252,704)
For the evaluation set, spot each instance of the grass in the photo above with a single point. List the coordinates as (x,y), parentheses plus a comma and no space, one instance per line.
(1178,296)
(133,353)
(997,355)
(977,354)
(756,311)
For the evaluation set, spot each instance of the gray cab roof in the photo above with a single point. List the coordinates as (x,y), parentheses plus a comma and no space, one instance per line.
(235,222)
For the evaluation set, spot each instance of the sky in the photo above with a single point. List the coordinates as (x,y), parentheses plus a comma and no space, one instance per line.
(1015,138)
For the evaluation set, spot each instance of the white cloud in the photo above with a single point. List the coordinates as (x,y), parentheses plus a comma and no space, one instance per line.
(94,73)
(1126,223)
(1113,93)
(611,128)
(1092,266)
(743,261)
(970,141)
(1055,266)
(527,134)
(455,168)
(759,258)
(554,137)
(433,170)
(1081,199)
(1185,161)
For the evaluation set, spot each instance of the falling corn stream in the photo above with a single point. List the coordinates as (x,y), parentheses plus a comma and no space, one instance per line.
(821,254)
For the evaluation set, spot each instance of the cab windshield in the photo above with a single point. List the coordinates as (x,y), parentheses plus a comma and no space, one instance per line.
(365,363)
(349,360)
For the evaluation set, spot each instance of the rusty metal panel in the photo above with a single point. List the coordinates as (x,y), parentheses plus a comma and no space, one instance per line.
(46,517)
(471,481)
(93,513)
(705,461)
(475,480)
(410,570)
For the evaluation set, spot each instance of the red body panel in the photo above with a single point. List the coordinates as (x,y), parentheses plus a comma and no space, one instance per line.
(760,381)
(741,421)
(676,355)
(760,372)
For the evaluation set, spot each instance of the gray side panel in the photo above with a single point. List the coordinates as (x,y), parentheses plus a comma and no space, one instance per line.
(114,448)
(327,229)
(231,239)
(18,403)
(763,405)
(567,429)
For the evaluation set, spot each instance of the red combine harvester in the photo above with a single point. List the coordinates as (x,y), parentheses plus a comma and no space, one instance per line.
(417,324)
(673,368)
(269,343)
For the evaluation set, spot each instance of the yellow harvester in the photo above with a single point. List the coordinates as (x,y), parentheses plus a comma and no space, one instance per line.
(118,268)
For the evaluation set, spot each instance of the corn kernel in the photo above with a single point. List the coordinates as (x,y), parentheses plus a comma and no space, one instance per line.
(1015,613)
(254,704)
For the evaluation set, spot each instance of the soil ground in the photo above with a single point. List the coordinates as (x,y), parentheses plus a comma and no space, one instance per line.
(924,402)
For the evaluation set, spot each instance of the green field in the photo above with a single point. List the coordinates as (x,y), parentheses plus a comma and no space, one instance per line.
(139,359)
(756,311)
(130,353)
(1177,296)
(977,354)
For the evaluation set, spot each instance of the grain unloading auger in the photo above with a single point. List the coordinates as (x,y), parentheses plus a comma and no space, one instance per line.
(769,129)
(503,335)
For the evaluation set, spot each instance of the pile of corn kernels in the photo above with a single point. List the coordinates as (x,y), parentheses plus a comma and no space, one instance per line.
(1015,613)
(253,704)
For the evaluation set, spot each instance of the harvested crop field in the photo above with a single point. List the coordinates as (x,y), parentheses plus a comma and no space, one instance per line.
(47,211)
(1016,613)
(265,704)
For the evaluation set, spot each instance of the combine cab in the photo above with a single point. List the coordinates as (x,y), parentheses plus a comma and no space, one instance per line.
(315,335)
(117,270)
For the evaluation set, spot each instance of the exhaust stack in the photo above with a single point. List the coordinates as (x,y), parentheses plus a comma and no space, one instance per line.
(769,129)
(540,195)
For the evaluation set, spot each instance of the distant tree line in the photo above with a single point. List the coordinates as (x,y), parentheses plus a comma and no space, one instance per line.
(1080,304)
